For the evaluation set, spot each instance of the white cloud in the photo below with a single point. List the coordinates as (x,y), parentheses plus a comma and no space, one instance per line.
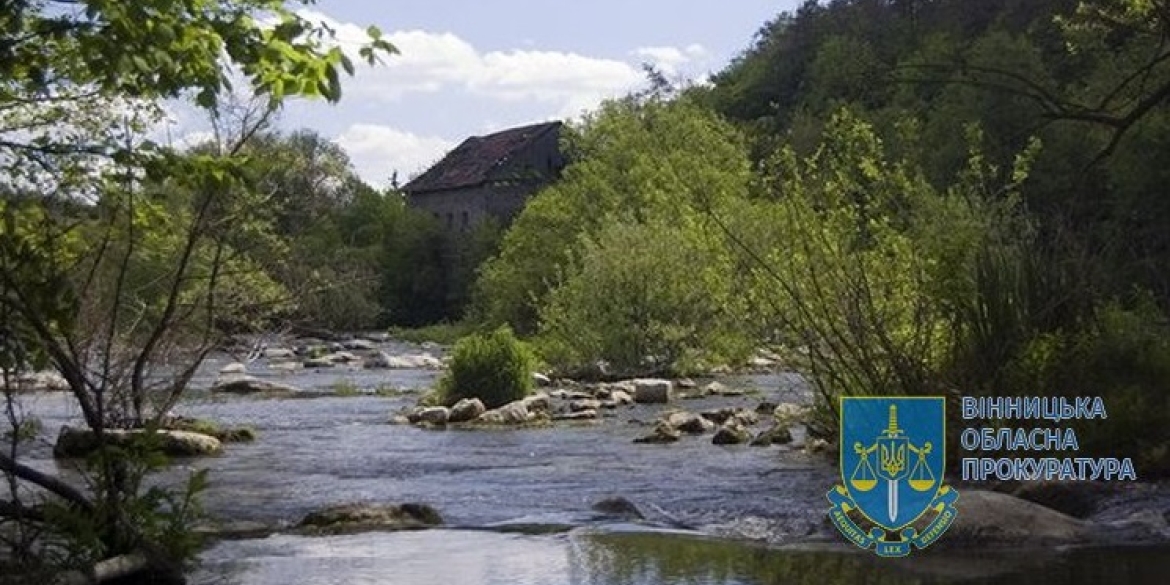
(671,60)
(672,55)
(378,151)
(439,75)
(435,61)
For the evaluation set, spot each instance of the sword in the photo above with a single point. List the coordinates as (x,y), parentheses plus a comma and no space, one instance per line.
(892,499)
(893,463)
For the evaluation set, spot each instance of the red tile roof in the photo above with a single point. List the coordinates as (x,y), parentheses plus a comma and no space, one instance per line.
(472,162)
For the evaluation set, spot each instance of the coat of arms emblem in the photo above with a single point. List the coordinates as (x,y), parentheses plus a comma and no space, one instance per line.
(892,465)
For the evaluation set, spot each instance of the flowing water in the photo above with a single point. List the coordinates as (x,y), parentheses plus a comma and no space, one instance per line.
(518,503)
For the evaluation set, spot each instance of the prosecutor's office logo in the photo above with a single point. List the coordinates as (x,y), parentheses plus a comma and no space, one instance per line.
(892,462)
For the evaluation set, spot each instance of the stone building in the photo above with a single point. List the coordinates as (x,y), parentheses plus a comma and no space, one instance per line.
(489,176)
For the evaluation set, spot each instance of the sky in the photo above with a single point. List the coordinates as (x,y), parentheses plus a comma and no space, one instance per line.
(469,68)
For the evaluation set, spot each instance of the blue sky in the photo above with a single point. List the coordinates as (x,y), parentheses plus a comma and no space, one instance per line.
(469,68)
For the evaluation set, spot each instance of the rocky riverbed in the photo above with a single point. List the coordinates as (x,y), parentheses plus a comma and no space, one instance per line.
(585,499)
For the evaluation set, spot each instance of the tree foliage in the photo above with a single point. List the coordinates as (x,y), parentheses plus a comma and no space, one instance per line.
(906,197)
(966,99)
(650,296)
(121,255)
(635,160)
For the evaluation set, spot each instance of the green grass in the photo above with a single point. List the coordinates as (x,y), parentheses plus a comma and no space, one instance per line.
(389,391)
(345,387)
(213,429)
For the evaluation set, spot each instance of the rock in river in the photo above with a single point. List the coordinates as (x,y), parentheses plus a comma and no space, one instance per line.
(45,381)
(466,410)
(582,405)
(250,385)
(1077,499)
(279,353)
(993,518)
(621,398)
(384,361)
(719,389)
(76,443)
(234,368)
(619,507)
(731,433)
(423,361)
(589,414)
(359,345)
(358,517)
(742,416)
(689,422)
(209,428)
(777,435)
(343,357)
(652,391)
(319,362)
(539,402)
(512,413)
(662,433)
(789,414)
(433,415)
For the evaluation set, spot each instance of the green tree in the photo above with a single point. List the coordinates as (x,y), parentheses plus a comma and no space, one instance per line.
(635,160)
(122,253)
(308,177)
(860,262)
(649,297)
(413,267)
(327,225)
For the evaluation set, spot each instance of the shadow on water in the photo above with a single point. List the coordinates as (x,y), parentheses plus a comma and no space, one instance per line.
(590,557)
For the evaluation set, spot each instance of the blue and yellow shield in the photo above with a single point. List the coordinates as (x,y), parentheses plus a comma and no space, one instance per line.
(892,465)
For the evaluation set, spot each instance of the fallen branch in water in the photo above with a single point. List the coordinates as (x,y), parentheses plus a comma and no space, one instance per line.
(58,487)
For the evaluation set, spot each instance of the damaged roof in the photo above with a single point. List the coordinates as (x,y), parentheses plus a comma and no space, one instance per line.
(472,162)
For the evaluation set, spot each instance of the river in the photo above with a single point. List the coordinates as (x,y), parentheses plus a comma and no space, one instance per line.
(518,504)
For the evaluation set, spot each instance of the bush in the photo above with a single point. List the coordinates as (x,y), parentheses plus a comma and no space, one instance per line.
(858,251)
(646,298)
(1123,357)
(1122,354)
(495,367)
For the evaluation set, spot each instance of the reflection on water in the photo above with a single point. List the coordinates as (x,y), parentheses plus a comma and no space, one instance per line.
(643,558)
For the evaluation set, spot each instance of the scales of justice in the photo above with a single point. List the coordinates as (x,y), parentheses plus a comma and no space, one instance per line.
(891,447)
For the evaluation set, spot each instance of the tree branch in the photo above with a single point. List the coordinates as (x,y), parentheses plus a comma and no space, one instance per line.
(54,485)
